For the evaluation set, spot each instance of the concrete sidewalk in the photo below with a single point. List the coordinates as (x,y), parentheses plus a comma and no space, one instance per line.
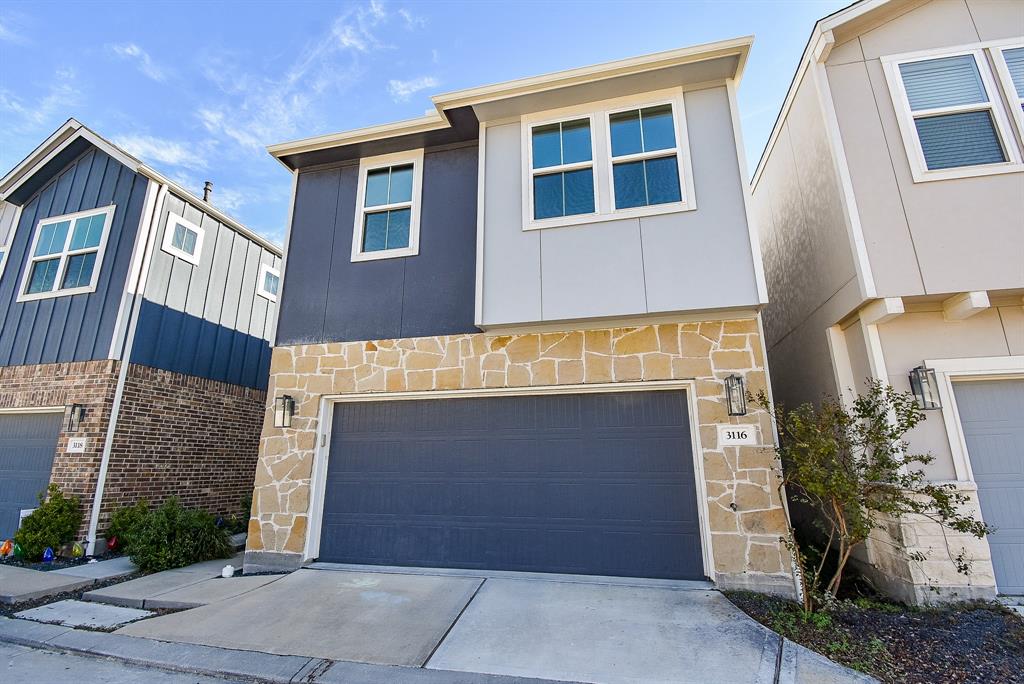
(24,584)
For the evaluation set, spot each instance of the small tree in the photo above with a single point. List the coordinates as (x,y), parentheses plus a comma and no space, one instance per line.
(852,467)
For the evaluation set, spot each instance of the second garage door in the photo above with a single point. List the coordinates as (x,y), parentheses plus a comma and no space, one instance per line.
(28,442)
(595,483)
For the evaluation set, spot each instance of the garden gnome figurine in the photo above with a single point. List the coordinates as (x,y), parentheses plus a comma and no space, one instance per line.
(16,551)
(7,549)
(48,555)
(77,550)
(113,543)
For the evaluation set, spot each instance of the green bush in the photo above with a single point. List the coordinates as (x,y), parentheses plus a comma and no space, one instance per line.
(124,521)
(53,524)
(170,536)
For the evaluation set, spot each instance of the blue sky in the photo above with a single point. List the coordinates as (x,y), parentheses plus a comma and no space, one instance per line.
(198,89)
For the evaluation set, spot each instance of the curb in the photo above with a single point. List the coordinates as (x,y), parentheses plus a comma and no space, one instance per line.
(222,662)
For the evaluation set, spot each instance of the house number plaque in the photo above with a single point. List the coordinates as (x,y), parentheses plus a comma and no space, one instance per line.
(737,435)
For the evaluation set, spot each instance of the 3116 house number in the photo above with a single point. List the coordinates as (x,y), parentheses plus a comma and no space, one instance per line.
(737,435)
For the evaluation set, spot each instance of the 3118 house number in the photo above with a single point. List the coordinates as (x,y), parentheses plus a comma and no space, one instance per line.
(737,435)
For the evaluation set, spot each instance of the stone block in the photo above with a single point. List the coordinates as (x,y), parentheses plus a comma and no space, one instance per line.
(657,366)
(597,368)
(417,360)
(570,372)
(570,346)
(627,368)
(731,360)
(642,340)
(523,349)
(448,379)
(668,339)
(597,341)
(691,368)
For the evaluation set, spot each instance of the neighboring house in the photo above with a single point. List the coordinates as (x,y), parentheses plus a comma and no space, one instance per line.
(135,327)
(890,201)
(507,326)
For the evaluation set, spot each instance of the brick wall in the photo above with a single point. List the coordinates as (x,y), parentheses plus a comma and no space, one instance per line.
(179,435)
(90,383)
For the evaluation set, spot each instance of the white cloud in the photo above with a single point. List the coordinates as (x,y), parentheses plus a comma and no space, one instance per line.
(28,117)
(256,110)
(143,61)
(411,20)
(401,91)
(162,151)
(11,34)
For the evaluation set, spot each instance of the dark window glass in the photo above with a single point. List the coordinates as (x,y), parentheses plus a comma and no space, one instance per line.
(376,187)
(625,132)
(44,273)
(547,146)
(662,180)
(963,139)
(629,185)
(78,272)
(659,133)
(401,184)
(375,232)
(547,196)
(52,237)
(579,192)
(398,228)
(88,232)
(576,145)
(271,282)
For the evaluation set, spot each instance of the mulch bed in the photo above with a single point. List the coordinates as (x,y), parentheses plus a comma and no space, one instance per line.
(978,642)
(57,563)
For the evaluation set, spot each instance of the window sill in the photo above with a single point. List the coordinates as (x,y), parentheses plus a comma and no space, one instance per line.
(181,254)
(636,212)
(56,293)
(385,254)
(925,176)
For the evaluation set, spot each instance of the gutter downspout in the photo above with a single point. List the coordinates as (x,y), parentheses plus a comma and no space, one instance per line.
(150,215)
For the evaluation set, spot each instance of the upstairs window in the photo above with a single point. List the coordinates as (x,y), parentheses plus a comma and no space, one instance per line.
(950,115)
(645,169)
(602,161)
(562,159)
(1010,66)
(66,254)
(269,282)
(387,210)
(183,239)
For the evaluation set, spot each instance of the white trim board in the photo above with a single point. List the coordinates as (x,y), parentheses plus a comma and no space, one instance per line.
(948,371)
(321,455)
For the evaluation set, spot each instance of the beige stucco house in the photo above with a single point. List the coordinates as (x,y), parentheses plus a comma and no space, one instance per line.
(890,206)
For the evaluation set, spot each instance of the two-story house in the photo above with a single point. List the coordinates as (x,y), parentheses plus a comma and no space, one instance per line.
(135,327)
(890,200)
(507,333)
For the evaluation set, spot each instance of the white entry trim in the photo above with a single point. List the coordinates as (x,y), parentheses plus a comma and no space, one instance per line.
(948,371)
(318,485)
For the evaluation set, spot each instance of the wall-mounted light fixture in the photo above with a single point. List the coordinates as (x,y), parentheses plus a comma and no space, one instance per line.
(76,412)
(925,387)
(736,395)
(284,409)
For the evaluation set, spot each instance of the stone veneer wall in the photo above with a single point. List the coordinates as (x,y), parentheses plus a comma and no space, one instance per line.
(183,436)
(745,542)
(935,579)
(90,383)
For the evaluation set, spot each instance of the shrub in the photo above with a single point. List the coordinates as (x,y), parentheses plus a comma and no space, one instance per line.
(53,524)
(170,536)
(124,521)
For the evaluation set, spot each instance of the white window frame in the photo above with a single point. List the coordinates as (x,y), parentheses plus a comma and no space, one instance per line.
(1006,81)
(599,114)
(532,173)
(260,290)
(908,130)
(24,296)
(367,164)
(168,245)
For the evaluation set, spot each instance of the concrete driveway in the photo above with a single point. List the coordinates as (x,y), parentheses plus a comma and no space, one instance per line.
(545,627)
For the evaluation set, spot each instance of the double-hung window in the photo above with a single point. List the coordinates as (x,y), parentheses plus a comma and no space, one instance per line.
(1009,60)
(622,158)
(183,239)
(645,168)
(387,206)
(562,163)
(66,254)
(269,282)
(950,115)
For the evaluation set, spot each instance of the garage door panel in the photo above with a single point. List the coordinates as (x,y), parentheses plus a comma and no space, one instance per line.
(580,483)
(27,446)
(992,418)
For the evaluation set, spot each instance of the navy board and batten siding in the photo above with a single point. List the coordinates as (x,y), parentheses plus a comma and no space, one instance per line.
(207,319)
(328,298)
(74,327)
(588,483)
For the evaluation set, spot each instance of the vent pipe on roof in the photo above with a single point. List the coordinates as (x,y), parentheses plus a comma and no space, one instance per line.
(207,189)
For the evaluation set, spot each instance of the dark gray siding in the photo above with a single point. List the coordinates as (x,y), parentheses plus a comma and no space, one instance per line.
(207,320)
(327,298)
(76,327)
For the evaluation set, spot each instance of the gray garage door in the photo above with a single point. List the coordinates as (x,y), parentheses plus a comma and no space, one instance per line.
(597,484)
(27,446)
(992,416)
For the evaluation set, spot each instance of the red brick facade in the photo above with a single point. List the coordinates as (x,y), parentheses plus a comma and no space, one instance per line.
(177,435)
(90,383)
